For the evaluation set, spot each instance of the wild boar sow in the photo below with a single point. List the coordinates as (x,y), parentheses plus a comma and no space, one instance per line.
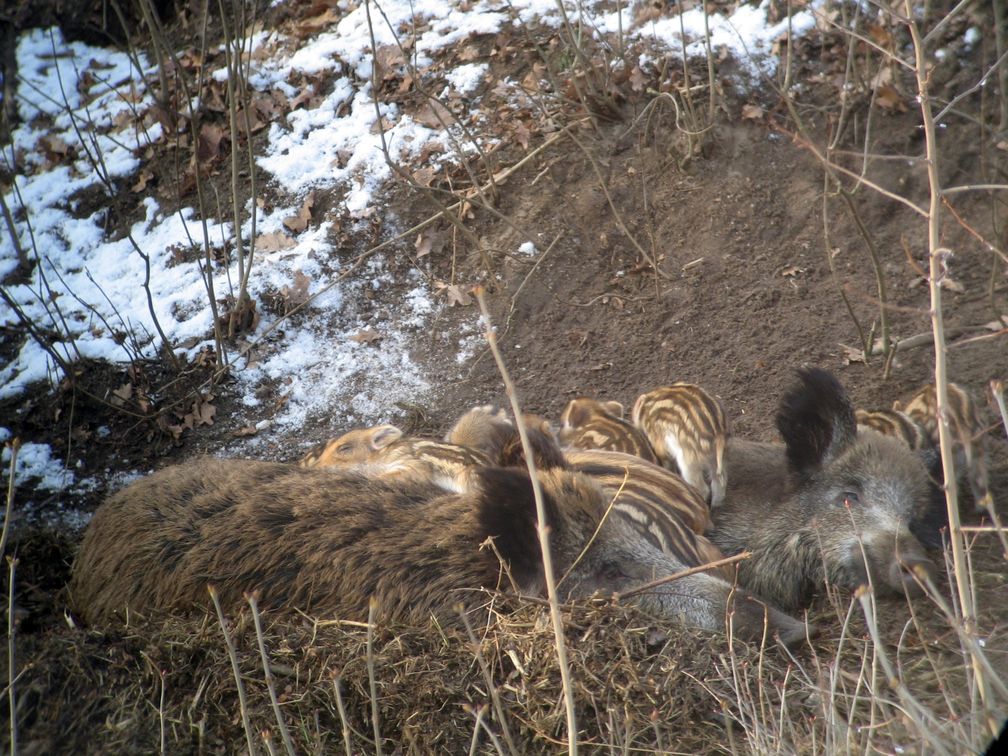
(830,504)
(326,541)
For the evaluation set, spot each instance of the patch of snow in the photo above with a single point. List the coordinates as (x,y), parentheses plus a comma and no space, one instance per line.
(35,461)
(528,248)
(468,77)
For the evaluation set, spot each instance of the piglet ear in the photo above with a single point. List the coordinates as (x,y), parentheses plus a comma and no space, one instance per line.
(545,450)
(816,420)
(575,414)
(383,435)
(506,512)
(614,408)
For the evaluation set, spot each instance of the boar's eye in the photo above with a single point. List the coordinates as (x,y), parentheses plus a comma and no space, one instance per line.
(613,571)
(345,449)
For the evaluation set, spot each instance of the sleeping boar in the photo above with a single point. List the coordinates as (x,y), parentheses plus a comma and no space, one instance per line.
(327,541)
(829,504)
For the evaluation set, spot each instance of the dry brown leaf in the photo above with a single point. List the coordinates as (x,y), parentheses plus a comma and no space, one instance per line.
(385,124)
(752,112)
(366,336)
(852,354)
(304,97)
(454,293)
(208,145)
(54,145)
(276,241)
(430,147)
(244,432)
(434,115)
(122,394)
(522,134)
(388,59)
(880,35)
(142,180)
(214,97)
(297,293)
(425,176)
(299,222)
(308,27)
(889,98)
(428,242)
(249,121)
(638,81)
(531,81)
(792,271)
(204,412)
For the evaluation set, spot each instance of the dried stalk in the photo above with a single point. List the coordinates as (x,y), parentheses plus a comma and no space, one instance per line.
(541,529)
(233,656)
(253,602)
(935,267)
(11,660)
(683,573)
(924,722)
(342,715)
(372,684)
(14,446)
(488,678)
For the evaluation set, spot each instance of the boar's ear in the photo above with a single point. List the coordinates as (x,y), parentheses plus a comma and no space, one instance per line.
(506,511)
(816,420)
(383,435)
(614,408)
(933,517)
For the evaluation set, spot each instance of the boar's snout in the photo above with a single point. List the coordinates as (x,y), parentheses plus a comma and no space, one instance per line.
(897,564)
(907,573)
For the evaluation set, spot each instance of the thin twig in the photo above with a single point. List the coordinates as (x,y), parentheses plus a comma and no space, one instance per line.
(233,656)
(542,529)
(15,446)
(11,660)
(253,602)
(161,710)
(681,574)
(997,389)
(372,606)
(337,680)
(964,585)
(488,678)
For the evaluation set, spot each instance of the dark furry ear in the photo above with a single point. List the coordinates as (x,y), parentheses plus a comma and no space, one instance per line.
(816,420)
(928,525)
(506,511)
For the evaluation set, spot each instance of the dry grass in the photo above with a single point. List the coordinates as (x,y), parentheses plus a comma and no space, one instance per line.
(639,685)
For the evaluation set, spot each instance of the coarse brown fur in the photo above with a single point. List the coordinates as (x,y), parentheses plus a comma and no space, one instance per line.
(688,430)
